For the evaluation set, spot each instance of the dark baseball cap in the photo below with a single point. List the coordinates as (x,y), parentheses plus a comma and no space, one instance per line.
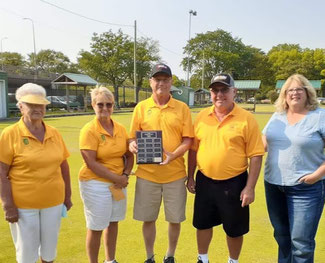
(161,68)
(224,79)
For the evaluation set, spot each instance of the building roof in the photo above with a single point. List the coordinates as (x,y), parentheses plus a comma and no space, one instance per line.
(315,83)
(174,89)
(202,91)
(247,84)
(186,88)
(75,79)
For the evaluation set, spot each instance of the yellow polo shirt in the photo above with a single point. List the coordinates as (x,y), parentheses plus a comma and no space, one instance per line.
(35,172)
(223,148)
(174,120)
(110,149)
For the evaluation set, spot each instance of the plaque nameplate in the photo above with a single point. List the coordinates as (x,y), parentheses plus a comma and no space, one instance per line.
(150,150)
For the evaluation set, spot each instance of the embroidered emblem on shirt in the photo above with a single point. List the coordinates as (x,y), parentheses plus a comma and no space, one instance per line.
(103,137)
(149,112)
(25,141)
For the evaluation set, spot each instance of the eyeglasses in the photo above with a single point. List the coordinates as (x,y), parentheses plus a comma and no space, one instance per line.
(223,90)
(295,90)
(164,81)
(108,105)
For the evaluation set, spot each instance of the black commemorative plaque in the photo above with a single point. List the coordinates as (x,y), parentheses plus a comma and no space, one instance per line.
(150,150)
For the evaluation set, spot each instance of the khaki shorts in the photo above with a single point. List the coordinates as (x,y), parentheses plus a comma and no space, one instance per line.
(148,196)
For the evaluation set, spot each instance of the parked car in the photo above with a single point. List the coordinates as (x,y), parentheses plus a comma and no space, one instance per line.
(251,100)
(73,103)
(60,102)
(321,100)
(266,101)
(56,102)
(238,100)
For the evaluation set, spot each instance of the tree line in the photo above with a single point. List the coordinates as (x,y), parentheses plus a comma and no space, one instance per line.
(110,60)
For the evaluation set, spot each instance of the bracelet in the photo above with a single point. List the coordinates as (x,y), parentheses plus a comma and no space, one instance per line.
(127,175)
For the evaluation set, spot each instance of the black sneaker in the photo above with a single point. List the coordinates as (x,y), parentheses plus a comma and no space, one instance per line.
(199,260)
(150,260)
(169,260)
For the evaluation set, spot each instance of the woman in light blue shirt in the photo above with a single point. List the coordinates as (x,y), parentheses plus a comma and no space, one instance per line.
(294,170)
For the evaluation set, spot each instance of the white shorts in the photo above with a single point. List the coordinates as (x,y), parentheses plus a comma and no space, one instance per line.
(99,207)
(36,234)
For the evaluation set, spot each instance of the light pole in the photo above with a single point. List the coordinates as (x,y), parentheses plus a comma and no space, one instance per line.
(35,65)
(202,84)
(136,95)
(1,52)
(194,13)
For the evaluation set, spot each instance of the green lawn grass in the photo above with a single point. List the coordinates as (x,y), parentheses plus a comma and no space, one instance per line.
(259,245)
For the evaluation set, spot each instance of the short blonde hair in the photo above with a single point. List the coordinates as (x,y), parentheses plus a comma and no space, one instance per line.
(311,104)
(101,90)
(30,89)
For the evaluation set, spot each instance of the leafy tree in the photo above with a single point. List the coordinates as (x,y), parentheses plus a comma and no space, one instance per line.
(146,84)
(196,81)
(146,54)
(285,47)
(258,67)
(48,60)
(322,73)
(287,59)
(109,59)
(221,52)
(285,62)
(12,59)
(178,82)
(319,61)
(73,68)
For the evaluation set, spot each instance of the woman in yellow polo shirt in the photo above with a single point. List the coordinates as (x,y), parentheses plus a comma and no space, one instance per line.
(34,178)
(103,175)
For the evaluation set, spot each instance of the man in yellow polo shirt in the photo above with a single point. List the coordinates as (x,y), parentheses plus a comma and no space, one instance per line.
(165,180)
(226,137)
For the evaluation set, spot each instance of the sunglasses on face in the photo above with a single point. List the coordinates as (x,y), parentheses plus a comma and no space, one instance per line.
(101,105)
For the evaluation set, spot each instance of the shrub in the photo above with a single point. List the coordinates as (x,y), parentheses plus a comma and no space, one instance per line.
(272,95)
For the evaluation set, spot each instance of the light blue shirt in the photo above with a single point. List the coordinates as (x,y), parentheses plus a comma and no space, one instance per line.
(294,150)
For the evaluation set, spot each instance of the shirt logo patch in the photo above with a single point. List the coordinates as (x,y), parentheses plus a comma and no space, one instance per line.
(103,137)
(149,112)
(25,141)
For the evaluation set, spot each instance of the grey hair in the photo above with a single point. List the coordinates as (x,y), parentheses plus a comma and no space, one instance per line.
(29,89)
(101,90)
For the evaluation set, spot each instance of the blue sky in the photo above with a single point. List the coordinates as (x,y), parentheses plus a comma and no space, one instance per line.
(260,23)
